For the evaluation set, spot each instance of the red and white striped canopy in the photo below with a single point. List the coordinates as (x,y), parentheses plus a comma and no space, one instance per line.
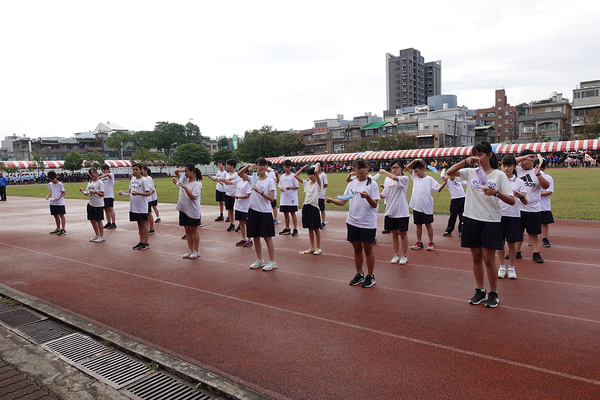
(118,163)
(53,164)
(546,147)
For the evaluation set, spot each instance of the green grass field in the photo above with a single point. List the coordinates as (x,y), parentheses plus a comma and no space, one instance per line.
(576,196)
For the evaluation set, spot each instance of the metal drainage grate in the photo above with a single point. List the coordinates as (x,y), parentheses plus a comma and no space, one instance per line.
(75,348)
(160,386)
(115,369)
(44,331)
(4,307)
(20,316)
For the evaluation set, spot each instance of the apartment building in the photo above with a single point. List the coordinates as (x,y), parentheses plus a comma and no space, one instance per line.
(586,98)
(546,120)
(502,116)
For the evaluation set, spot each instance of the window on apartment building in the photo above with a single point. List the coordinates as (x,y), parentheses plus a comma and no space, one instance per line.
(499,125)
(505,113)
(548,109)
(490,114)
(499,100)
(557,108)
(499,116)
(480,115)
(499,108)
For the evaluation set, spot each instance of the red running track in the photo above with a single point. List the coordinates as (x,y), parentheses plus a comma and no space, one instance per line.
(301,332)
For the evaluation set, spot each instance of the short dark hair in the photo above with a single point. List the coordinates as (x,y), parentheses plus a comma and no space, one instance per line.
(526,152)
(105,166)
(287,163)
(220,162)
(261,161)
(418,165)
(232,162)
(51,175)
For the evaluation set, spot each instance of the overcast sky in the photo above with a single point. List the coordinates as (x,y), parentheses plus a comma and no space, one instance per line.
(233,66)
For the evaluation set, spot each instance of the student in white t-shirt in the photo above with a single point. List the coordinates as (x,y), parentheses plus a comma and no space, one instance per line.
(547,217)
(311,219)
(229,190)
(260,217)
(95,208)
(457,204)
(138,205)
(271,173)
(152,199)
(397,215)
(421,201)
(220,189)
(288,203)
(512,229)
(361,222)
(188,206)
(322,193)
(108,179)
(531,214)
(482,231)
(57,204)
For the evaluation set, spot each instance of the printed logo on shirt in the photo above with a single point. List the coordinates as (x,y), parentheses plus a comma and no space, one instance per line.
(479,187)
(528,181)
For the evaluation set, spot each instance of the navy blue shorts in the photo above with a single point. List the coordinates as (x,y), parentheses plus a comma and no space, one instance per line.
(532,222)
(356,234)
(512,230)
(396,224)
(229,203)
(184,220)
(109,202)
(259,224)
(57,210)
(311,217)
(420,218)
(487,235)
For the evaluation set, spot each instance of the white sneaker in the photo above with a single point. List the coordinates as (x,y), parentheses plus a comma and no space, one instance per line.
(93,239)
(270,265)
(512,274)
(257,264)
(403,260)
(100,239)
(309,251)
(194,254)
(395,259)
(188,254)
(501,272)
(317,251)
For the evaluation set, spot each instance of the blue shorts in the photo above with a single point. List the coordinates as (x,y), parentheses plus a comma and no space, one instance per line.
(356,234)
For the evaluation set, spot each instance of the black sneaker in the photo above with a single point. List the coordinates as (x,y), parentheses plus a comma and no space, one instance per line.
(113,226)
(184,237)
(286,231)
(479,297)
(239,228)
(492,301)
(151,231)
(227,220)
(295,232)
(231,228)
(55,232)
(369,281)
(144,246)
(518,255)
(546,242)
(219,218)
(386,231)
(157,221)
(358,278)
(446,233)
(537,258)
(137,246)
(62,232)
(323,226)
(107,226)
(375,242)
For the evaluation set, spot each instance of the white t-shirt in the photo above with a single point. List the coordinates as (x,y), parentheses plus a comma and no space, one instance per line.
(258,202)
(138,204)
(151,186)
(288,197)
(421,199)
(95,200)
(190,207)
(478,205)
(394,191)
(221,174)
(109,183)
(230,189)
(312,192)
(532,184)
(271,174)
(514,211)
(456,188)
(56,190)
(323,191)
(242,188)
(361,214)
(545,200)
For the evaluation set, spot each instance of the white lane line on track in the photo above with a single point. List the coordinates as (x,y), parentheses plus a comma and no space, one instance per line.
(345,324)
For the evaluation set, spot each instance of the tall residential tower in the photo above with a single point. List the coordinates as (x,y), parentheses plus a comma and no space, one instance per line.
(410,80)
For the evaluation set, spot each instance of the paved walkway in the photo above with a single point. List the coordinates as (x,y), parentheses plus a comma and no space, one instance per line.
(15,385)
(301,332)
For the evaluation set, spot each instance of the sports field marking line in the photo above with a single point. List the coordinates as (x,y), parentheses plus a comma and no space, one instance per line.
(344,324)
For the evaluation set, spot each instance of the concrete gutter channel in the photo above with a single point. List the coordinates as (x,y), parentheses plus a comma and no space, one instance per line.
(190,374)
